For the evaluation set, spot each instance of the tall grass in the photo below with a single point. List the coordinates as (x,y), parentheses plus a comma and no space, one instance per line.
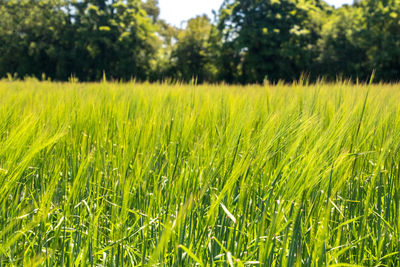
(125,174)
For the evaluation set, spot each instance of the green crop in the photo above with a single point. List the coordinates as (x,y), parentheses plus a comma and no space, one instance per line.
(110,174)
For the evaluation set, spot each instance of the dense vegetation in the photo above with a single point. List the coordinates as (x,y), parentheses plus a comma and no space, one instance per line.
(119,174)
(248,41)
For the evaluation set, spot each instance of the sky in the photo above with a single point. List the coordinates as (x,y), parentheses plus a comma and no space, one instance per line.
(177,11)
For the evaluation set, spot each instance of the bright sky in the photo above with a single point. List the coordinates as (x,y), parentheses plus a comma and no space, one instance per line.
(176,11)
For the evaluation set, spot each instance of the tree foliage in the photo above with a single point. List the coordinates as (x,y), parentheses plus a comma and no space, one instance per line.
(80,38)
(271,39)
(250,42)
(192,56)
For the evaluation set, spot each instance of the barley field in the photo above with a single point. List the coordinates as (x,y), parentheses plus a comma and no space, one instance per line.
(109,174)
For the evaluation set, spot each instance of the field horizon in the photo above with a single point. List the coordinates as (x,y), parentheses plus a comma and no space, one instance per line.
(130,174)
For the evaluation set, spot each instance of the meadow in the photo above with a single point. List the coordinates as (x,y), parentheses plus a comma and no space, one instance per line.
(112,174)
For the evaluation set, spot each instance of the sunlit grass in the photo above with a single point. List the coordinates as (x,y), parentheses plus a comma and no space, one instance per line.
(127,174)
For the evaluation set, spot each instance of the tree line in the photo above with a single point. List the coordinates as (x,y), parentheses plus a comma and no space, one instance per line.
(248,41)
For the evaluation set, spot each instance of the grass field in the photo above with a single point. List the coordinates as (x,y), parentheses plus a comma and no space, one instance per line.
(113,174)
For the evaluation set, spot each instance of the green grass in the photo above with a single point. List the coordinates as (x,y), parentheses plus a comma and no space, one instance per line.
(126,174)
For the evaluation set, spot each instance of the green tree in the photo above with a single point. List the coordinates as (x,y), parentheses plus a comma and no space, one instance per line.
(359,39)
(83,38)
(31,33)
(380,35)
(152,9)
(168,35)
(192,56)
(272,39)
(341,49)
(117,38)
